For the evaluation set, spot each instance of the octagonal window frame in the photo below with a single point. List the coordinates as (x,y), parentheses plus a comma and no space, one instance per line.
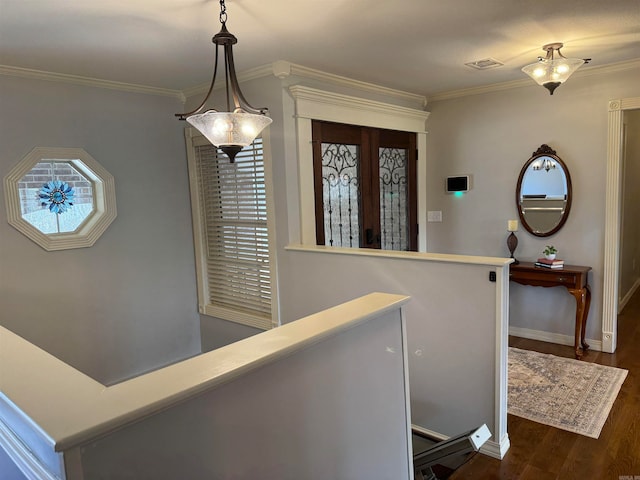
(92,227)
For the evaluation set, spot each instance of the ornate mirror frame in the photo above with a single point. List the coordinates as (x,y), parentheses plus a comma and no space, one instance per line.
(544,151)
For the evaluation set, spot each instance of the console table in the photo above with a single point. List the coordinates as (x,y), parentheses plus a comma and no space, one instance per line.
(573,277)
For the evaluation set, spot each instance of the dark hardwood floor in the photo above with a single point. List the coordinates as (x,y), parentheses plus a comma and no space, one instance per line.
(546,453)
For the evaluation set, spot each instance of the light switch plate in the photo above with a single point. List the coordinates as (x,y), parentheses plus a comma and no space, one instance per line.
(434,216)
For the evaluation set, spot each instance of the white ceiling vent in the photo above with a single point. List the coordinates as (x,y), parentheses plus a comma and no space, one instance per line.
(485,64)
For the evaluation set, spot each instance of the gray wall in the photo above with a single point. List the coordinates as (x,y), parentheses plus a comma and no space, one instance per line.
(118,319)
(334,410)
(127,304)
(630,235)
(491,136)
(451,342)
(310,282)
(8,469)
(451,326)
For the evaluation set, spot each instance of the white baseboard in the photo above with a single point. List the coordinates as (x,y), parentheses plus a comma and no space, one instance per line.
(550,337)
(628,296)
(495,449)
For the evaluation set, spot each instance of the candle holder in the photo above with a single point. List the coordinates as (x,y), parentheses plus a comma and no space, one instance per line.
(512,243)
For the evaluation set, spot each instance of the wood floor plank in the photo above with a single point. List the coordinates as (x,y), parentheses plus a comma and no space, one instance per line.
(542,452)
(552,450)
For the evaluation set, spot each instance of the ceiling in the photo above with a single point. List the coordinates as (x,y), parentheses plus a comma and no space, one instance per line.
(419,46)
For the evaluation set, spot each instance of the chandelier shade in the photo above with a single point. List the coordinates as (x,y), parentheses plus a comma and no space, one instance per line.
(230,130)
(554,69)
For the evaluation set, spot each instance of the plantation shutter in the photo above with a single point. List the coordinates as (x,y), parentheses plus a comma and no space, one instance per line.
(234,209)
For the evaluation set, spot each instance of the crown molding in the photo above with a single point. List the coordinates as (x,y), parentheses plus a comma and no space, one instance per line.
(526,82)
(465,92)
(331,78)
(317,104)
(88,81)
(283,69)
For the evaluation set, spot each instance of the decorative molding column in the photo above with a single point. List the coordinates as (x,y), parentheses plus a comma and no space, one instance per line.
(612,221)
(612,229)
(501,443)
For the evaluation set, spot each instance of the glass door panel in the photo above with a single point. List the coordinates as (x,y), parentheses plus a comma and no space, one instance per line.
(340,194)
(394,222)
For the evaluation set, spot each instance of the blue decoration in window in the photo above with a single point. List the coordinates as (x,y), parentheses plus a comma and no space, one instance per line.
(58,195)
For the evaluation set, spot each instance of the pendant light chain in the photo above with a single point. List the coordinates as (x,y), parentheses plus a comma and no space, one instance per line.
(236,128)
(223,12)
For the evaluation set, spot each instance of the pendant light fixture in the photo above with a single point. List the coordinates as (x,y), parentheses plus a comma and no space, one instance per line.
(554,69)
(230,130)
(544,163)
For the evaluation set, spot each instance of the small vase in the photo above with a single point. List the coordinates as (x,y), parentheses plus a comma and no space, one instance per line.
(550,256)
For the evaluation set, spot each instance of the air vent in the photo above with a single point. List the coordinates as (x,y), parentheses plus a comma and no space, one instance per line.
(485,64)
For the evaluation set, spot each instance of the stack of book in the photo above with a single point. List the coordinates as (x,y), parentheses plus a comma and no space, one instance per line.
(546,263)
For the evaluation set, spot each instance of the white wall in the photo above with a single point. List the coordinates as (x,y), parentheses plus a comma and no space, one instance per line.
(491,136)
(630,234)
(127,304)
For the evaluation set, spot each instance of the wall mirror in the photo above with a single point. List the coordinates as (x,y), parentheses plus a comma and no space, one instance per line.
(543,194)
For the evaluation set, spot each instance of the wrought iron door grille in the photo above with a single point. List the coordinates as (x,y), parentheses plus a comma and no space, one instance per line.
(340,194)
(393,199)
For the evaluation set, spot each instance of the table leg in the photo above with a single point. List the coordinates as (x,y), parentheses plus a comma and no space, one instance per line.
(585,314)
(581,313)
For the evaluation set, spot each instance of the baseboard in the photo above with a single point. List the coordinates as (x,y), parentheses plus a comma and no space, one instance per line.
(495,449)
(627,297)
(550,337)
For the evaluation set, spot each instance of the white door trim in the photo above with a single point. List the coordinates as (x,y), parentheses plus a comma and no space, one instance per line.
(612,221)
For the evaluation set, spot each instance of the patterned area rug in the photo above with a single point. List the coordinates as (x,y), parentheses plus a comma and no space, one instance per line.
(562,392)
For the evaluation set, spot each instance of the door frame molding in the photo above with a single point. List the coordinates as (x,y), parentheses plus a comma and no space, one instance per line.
(612,220)
(314,104)
(370,183)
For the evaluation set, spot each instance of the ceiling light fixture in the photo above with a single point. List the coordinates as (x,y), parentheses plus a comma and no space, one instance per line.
(230,131)
(544,163)
(552,71)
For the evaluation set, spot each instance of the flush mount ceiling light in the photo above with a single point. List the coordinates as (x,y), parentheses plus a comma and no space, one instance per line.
(554,69)
(229,130)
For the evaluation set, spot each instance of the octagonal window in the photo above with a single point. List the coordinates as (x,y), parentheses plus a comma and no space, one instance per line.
(56,197)
(60,198)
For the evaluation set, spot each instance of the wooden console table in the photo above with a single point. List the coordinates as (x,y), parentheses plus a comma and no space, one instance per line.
(573,277)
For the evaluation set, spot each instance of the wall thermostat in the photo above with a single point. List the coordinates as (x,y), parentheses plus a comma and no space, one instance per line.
(460,183)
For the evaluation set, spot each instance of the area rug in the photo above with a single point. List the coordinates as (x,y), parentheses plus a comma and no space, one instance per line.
(562,392)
